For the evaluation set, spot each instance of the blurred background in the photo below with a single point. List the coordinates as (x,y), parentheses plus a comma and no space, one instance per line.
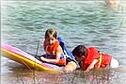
(93,23)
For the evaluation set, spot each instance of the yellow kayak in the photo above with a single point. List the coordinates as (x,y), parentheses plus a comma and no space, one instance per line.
(26,59)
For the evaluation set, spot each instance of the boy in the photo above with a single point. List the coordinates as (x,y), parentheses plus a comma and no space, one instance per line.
(90,58)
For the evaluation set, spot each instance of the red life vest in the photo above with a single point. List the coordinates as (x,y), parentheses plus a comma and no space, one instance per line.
(93,53)
(52,49)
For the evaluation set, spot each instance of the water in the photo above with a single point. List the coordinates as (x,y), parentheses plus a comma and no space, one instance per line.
(92,23)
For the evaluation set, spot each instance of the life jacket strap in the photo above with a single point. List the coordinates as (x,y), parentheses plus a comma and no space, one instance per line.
(99,60)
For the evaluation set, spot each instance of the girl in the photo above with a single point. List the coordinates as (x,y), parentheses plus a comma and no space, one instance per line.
(54,53)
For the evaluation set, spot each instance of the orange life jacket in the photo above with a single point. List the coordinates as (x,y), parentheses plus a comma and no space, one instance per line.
(52,49)
(103,59)
(61,61)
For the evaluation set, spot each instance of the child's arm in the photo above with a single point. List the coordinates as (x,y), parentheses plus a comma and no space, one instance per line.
(91,65)
(58,54)
(50,60)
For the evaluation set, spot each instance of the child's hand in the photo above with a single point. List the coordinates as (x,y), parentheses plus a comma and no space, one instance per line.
(43,59)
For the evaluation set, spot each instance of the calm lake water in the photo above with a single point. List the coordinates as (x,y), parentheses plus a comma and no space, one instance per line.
(92,23)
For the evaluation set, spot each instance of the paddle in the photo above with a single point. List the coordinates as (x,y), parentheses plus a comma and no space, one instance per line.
(37,49)
(34,77)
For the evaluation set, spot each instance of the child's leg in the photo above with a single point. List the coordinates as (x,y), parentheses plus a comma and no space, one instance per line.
(114,63)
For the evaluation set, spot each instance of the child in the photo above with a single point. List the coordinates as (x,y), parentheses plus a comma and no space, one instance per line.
(90,58)
(112,3)
(54,53)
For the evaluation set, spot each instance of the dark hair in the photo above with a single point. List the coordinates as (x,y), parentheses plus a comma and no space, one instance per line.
(51,32)
(79,51)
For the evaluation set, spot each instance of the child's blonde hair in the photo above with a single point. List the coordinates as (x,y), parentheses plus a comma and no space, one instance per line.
(52,32)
